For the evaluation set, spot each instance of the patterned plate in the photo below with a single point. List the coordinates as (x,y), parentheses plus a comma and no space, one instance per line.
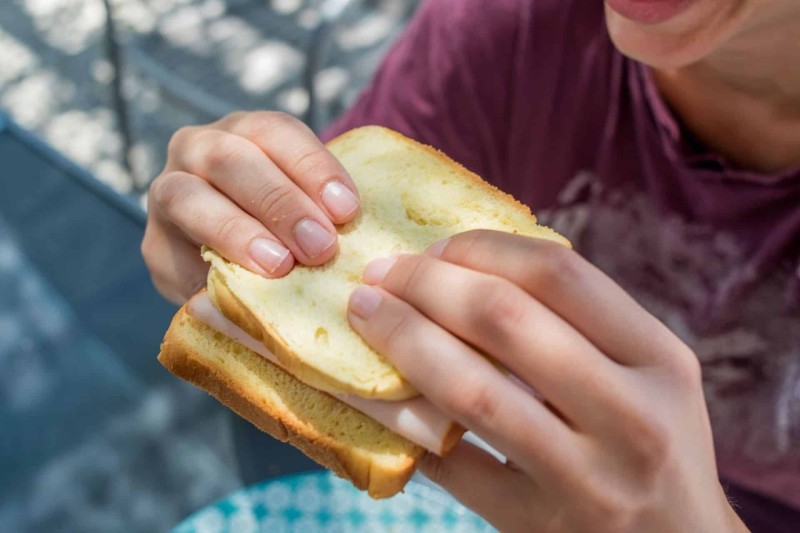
(321,502)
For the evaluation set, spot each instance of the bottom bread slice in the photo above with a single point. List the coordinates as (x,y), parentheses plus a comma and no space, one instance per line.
(330,432)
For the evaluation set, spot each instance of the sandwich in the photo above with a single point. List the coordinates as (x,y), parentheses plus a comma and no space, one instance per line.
(281,353)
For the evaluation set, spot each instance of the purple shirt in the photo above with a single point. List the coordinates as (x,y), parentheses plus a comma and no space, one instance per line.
(533,96)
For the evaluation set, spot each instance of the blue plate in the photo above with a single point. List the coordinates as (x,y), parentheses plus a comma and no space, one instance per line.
(321,502)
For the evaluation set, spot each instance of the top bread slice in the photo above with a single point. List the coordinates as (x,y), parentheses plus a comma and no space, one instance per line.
(411,197)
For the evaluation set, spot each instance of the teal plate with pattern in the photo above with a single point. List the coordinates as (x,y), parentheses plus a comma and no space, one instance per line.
(321,502)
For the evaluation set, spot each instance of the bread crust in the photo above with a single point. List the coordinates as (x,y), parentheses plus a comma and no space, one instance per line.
(179,357)
(490,189)
(392,387)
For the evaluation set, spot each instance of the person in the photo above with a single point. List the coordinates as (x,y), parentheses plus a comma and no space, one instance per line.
(663,138)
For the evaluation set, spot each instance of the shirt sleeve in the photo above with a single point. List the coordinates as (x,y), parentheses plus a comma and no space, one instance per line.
(445,82)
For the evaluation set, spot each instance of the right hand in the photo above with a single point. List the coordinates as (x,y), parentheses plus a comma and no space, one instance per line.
(258,187)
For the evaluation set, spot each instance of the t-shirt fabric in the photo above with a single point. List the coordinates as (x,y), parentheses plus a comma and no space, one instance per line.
(533,96)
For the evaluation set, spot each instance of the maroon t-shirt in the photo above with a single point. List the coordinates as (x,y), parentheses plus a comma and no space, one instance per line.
(533,96)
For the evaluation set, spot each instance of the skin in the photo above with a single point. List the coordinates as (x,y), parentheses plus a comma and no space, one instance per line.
(248,179)
(723,55)
(617,437)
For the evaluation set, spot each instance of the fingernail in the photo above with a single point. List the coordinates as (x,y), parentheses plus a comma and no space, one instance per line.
(312,238)
(436,249)
(339,200)
(376,270)
(364,301)
(268,254)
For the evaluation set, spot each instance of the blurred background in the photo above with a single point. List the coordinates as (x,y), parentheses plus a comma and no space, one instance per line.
(179,62)
(95,435)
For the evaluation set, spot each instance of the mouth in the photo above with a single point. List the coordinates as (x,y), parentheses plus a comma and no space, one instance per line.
(649,11)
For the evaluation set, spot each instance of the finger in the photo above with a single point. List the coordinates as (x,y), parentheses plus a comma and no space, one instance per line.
(207,217)
(573,288)
(175,265)
(504,322)
(239,169)
(502,496)
(297,151)
(462,383)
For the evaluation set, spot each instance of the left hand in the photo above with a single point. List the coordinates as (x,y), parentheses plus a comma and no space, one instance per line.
(619,439)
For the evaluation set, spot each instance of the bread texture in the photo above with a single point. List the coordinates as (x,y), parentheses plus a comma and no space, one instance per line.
(330,432)
(411,196)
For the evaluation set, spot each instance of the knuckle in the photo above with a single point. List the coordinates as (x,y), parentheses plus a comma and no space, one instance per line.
(230,229)
(653,448)
(180,139)
(274,202)
(223,152)
(415,273)
(264,124)
(504,307)
(398,333)
(311,162)
(554,266)
(685,369)
(649,444)
(234,117)
(467,246)
(477,402)
(147,249)
(167,191)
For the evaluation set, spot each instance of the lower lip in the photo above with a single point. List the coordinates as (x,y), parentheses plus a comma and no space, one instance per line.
(648,11)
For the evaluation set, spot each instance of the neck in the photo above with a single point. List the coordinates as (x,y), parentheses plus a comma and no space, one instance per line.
(763,62)
(744,99)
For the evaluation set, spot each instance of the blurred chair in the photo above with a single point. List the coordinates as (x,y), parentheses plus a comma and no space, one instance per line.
(331,13)
(84,240)
(174,68)
(85,408)
(79,297)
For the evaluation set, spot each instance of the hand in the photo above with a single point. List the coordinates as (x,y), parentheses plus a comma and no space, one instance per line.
(617,437)
(258,187)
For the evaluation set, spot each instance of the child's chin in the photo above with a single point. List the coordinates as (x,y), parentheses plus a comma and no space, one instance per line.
(658,49)
(683,40)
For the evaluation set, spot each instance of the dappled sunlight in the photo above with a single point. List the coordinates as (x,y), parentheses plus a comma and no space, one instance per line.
(188,28)
(286,7)
(35,98)
(293,100)
(266,67)
(106,450)
(184,28)
(331,82)
(18,59)
(371,29)
(69,25)
(89,139)
(56,77)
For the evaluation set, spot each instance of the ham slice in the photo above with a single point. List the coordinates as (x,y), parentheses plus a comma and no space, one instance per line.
(416,419)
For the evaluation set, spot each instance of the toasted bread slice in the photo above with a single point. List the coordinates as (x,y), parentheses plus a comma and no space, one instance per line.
(412,196)
(332,433)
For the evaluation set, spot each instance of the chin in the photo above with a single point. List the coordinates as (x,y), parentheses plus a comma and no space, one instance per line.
(685,39)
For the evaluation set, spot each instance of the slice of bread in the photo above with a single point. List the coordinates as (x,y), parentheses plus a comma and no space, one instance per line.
(412,196)
(332,433)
